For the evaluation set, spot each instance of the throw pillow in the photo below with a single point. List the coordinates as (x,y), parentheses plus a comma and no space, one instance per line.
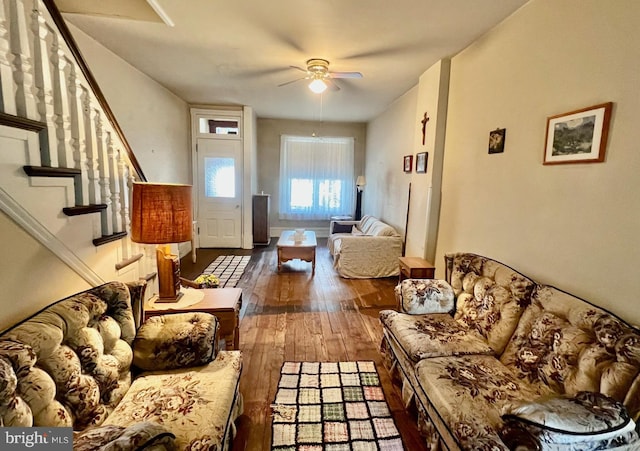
(341,228)
(420,296)
(176,340)
(587,417)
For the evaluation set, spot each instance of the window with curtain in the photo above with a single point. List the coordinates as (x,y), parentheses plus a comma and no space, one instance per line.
(316,177)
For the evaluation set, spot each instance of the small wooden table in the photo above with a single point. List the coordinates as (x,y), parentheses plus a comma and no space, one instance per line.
(290,249)
(224,303)
(415,268)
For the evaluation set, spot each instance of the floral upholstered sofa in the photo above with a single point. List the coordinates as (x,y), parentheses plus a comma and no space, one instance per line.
(495,361)
(81,363)
(364,249)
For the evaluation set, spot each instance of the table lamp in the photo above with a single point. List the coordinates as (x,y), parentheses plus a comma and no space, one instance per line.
(161,214)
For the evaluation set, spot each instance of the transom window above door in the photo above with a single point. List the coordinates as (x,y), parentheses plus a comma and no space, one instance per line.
(316,177)
(219,127)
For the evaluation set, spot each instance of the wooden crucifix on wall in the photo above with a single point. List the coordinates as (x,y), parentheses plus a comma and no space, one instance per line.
(424,121)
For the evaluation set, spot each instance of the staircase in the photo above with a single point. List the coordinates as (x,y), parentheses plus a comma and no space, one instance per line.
(66,169)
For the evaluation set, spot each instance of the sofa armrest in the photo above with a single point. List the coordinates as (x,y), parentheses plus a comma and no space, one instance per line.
(587,420)
(176,340)
(421,296)
(137,290)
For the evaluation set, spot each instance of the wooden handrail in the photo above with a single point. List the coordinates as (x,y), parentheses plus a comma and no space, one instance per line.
(75,50)
(22,123)
(129,261)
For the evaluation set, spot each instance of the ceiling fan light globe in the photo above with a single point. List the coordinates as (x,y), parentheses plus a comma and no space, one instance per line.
(318,86)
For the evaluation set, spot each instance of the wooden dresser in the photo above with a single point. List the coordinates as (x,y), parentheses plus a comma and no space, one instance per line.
(261,206)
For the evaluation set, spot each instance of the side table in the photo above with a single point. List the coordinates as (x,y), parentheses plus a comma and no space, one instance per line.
(224,303)
(415,268)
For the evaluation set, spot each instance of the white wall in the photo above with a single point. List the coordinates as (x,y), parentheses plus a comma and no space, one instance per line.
(425,187)
(154,120)
(390,136)
(573,226)
(32,277)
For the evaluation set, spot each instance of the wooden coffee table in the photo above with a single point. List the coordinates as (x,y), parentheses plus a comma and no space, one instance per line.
(289,249)
(223,303)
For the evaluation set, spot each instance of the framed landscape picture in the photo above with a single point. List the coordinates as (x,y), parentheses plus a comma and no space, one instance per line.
(421,162)
(408,163)
(578,136)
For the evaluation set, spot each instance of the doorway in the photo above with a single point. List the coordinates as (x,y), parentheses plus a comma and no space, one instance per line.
(219,174)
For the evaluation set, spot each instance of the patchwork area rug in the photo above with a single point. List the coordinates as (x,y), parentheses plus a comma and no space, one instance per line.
(228,268)
(333,406)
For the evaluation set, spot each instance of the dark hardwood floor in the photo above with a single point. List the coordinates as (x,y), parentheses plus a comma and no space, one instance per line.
(295,316)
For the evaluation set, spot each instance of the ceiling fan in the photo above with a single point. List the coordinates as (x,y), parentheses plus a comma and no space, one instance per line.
(318,72)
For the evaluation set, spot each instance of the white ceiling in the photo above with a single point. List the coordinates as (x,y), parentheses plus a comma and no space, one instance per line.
(237,52)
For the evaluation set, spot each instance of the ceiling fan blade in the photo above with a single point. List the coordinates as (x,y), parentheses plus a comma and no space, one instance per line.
(332,84)
(299,68)
(345,75)
(292,81)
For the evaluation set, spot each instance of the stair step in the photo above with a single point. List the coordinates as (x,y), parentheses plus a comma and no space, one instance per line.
(84,209)
(46,171)
(109,238)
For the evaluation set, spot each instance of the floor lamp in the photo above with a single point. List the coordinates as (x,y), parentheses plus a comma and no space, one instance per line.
(161,214)
(360,182)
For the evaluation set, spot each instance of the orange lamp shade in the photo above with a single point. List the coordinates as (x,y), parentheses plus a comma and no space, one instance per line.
(161,213)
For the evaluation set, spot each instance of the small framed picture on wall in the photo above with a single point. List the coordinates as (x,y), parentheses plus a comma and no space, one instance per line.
(496,140)
(421,162)
(408,163)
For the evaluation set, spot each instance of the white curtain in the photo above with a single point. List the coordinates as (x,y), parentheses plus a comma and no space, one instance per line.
(316,177)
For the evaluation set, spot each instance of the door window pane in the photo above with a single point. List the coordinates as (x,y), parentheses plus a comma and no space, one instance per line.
(219,177)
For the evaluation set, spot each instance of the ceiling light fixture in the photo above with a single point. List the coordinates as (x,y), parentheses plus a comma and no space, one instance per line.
(318,86)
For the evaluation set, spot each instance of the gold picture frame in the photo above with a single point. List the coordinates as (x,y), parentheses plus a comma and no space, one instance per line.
(579,136)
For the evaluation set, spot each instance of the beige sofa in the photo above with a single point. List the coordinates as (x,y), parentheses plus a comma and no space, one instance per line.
(514,364)
(364,249)
(79,363)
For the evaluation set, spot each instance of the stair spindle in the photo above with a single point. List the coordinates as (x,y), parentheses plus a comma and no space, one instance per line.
(23,74)
(7,98)
(61,104)
(43,86)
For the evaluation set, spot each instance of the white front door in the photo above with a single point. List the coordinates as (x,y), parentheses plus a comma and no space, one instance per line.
(219,192)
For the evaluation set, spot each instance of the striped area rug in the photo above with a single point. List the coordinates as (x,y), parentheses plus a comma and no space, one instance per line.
(332,406)
(228,268)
